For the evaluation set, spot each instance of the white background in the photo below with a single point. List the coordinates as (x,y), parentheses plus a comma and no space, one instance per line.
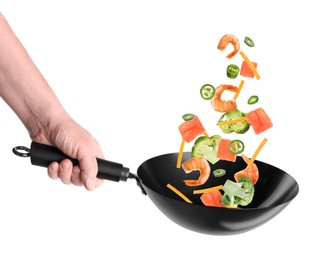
(127,71)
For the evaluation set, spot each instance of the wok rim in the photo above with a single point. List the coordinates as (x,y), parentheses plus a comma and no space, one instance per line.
(296,189)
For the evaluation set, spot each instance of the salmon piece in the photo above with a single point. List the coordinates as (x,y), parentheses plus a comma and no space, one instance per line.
(212,199)
(245,70)
(223,151)
(191,129)
(259,120)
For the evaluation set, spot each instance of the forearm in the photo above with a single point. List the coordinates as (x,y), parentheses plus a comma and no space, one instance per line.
(23,87)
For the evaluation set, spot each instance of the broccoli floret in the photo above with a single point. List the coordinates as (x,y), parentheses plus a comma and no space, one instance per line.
(239,128)
(238,193)
(249,187)
(207,148)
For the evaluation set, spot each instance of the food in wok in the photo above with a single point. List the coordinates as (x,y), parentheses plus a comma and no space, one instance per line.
(239,190)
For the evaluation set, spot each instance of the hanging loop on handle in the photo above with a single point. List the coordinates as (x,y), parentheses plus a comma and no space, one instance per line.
(21,151)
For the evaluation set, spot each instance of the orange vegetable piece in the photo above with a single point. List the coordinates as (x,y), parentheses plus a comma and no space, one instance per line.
(191,129)
(251,172)
(172,188)
(259,120)
(223,151)
(212,199)
(245,70)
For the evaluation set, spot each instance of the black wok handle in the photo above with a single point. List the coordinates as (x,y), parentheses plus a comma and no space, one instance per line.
(43,155)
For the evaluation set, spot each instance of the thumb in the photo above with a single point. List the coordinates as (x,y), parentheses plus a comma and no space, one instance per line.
(89,169)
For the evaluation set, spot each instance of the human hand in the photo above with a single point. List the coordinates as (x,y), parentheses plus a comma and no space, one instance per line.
(76,142)
(25,90)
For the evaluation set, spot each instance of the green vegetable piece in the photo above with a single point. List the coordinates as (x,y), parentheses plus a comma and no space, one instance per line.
(207,91)
(249,42)
(249,187)
(219,172)
(232,71)
(236,146)
(188,116)
(253,100)
(207,148)
(238,193)
(239,128)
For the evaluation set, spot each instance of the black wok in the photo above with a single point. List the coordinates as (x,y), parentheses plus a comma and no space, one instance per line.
(274,190)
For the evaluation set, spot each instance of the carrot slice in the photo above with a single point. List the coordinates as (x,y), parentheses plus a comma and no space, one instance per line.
(219,187)
(241,84)
(232,121)
(250,64)
(180,154)
(260,146)
(178,193)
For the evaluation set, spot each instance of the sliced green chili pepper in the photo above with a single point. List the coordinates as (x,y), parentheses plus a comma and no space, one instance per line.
(249,42)
(188,116)
(253,100)
(219,172)
(207,91)
(236,146)
(232,71)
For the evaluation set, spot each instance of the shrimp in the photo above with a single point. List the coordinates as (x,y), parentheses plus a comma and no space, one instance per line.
(223,105)
(251,172)
(225,40)
(199,164)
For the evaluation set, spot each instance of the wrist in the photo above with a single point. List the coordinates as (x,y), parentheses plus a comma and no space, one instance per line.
(43,120)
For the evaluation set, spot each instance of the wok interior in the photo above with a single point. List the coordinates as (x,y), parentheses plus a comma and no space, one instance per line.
(274,187)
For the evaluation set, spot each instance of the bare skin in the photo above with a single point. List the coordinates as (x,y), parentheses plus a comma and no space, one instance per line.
(25,90)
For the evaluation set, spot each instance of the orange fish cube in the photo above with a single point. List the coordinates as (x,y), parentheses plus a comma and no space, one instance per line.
(223,152)
(191,129)
(212,199)
(245,70)
(259,120)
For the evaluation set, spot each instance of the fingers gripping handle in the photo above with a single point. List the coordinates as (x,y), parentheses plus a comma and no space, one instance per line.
(43,155)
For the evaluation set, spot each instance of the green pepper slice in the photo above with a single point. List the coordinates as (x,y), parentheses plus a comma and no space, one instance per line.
(236,146)
(253,100)
(219,172)
(188,116)
(232,71)
(249,42)
(207,91)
